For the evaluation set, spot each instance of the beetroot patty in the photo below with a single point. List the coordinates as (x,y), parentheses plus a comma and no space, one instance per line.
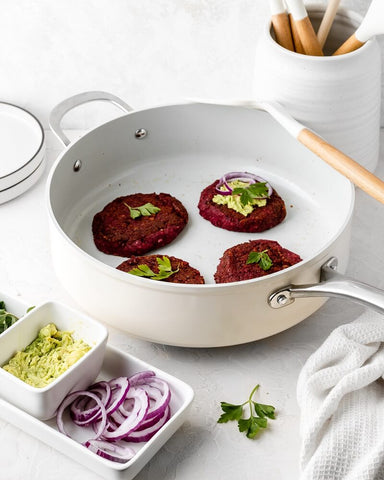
(233,265)
(260,219)
(115,232)
(185,273)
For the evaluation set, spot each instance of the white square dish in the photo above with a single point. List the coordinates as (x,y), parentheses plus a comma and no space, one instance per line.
(115,363)
(42,402)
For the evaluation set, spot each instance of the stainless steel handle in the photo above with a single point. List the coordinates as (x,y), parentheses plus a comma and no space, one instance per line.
(70,103)
(332,284)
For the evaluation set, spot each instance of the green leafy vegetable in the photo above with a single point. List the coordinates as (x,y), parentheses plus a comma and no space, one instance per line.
(262,258)
(255,190)
(6,319)
(145,210)
(258,415)
(165,270)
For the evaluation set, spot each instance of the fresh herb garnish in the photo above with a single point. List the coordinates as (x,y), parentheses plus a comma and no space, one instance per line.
(255,190)
(145,210)
(165,270)
(6,319)
(262,258)
(258,415)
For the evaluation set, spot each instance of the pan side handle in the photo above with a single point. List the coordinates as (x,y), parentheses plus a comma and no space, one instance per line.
(332,284)
(70,103)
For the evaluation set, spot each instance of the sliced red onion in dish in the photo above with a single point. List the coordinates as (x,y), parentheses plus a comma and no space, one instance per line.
(119,411)
(110,451)
(243,177)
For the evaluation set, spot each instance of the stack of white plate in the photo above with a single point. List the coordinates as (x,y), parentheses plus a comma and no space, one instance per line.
(22,151)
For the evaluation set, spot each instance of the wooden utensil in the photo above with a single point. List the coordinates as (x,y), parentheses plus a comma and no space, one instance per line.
(295,35)
(281,24)
(372,24)
(341,162)
(304,28)
(327,21)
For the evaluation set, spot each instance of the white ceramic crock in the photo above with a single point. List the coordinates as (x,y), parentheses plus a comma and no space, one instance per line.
(338,97)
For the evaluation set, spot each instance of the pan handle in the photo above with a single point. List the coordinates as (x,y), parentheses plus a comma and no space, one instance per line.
(70,103)
(332,284)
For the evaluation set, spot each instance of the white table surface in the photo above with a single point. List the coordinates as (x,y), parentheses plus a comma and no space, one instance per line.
(202,448)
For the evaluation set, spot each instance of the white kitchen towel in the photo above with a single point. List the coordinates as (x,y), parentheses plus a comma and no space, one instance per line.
(340,392)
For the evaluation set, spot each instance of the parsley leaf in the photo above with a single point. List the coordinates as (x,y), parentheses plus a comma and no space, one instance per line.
(231,412)
(145,210)
(6,319)
(164,266)
(262,258)
(257,419)
(255,190)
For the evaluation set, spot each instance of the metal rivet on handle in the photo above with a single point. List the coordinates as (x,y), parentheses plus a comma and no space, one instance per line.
(282,299)
(77,165)
(141,133)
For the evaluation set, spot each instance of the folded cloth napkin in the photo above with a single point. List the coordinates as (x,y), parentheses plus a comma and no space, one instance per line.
(340,392)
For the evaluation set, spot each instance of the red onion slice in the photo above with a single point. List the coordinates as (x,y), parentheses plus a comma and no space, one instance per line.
(243,177)
(111,451)
(135,418)
(143,435)
(120,388)
(69,399)
(133,408)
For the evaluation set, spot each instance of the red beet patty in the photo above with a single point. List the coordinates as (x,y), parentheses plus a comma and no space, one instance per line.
(115,232)
(233,265)
(184,274)
(260,219)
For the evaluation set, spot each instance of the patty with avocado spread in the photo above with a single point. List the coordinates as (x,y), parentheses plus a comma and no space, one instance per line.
(47,357)
(227,212)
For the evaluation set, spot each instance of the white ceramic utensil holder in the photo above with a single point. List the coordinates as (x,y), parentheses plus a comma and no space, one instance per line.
(336,96)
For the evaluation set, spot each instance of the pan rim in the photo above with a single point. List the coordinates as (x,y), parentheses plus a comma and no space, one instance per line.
(169,286)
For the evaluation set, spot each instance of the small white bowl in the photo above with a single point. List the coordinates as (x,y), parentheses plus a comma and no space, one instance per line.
(42,403)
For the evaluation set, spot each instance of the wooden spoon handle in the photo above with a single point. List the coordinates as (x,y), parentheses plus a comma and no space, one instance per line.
(327,21)
(296,39)
(308,37)
(282,28)
(349,45)
(359,175)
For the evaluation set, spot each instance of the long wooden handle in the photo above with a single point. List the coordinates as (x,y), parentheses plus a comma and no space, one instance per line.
(296,39)
(359,175)
(282,28)
(349,45)
(308,37)
(327,21)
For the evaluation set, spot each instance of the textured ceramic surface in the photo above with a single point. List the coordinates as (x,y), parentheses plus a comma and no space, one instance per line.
(338,97)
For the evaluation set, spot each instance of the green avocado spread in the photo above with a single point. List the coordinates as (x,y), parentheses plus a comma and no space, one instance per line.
(234,202)
(47,357)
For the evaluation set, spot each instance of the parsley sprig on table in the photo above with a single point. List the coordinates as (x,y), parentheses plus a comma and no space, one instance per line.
(144,210)
(262,258)
(165,270)
(258,415)
(255,190)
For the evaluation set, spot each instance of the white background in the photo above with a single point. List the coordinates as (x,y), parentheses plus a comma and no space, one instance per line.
(147,52)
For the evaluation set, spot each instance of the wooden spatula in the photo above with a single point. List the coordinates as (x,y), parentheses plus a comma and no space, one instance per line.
(304,28)
(281,24)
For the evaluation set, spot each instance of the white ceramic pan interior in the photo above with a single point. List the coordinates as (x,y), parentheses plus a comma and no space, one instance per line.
(183,159)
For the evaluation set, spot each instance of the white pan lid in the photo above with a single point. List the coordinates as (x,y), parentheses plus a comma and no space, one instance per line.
(22,149)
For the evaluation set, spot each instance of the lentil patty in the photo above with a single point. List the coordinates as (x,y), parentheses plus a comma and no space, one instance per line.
(185,273)
(115,232)
(233,265)
(259,220)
